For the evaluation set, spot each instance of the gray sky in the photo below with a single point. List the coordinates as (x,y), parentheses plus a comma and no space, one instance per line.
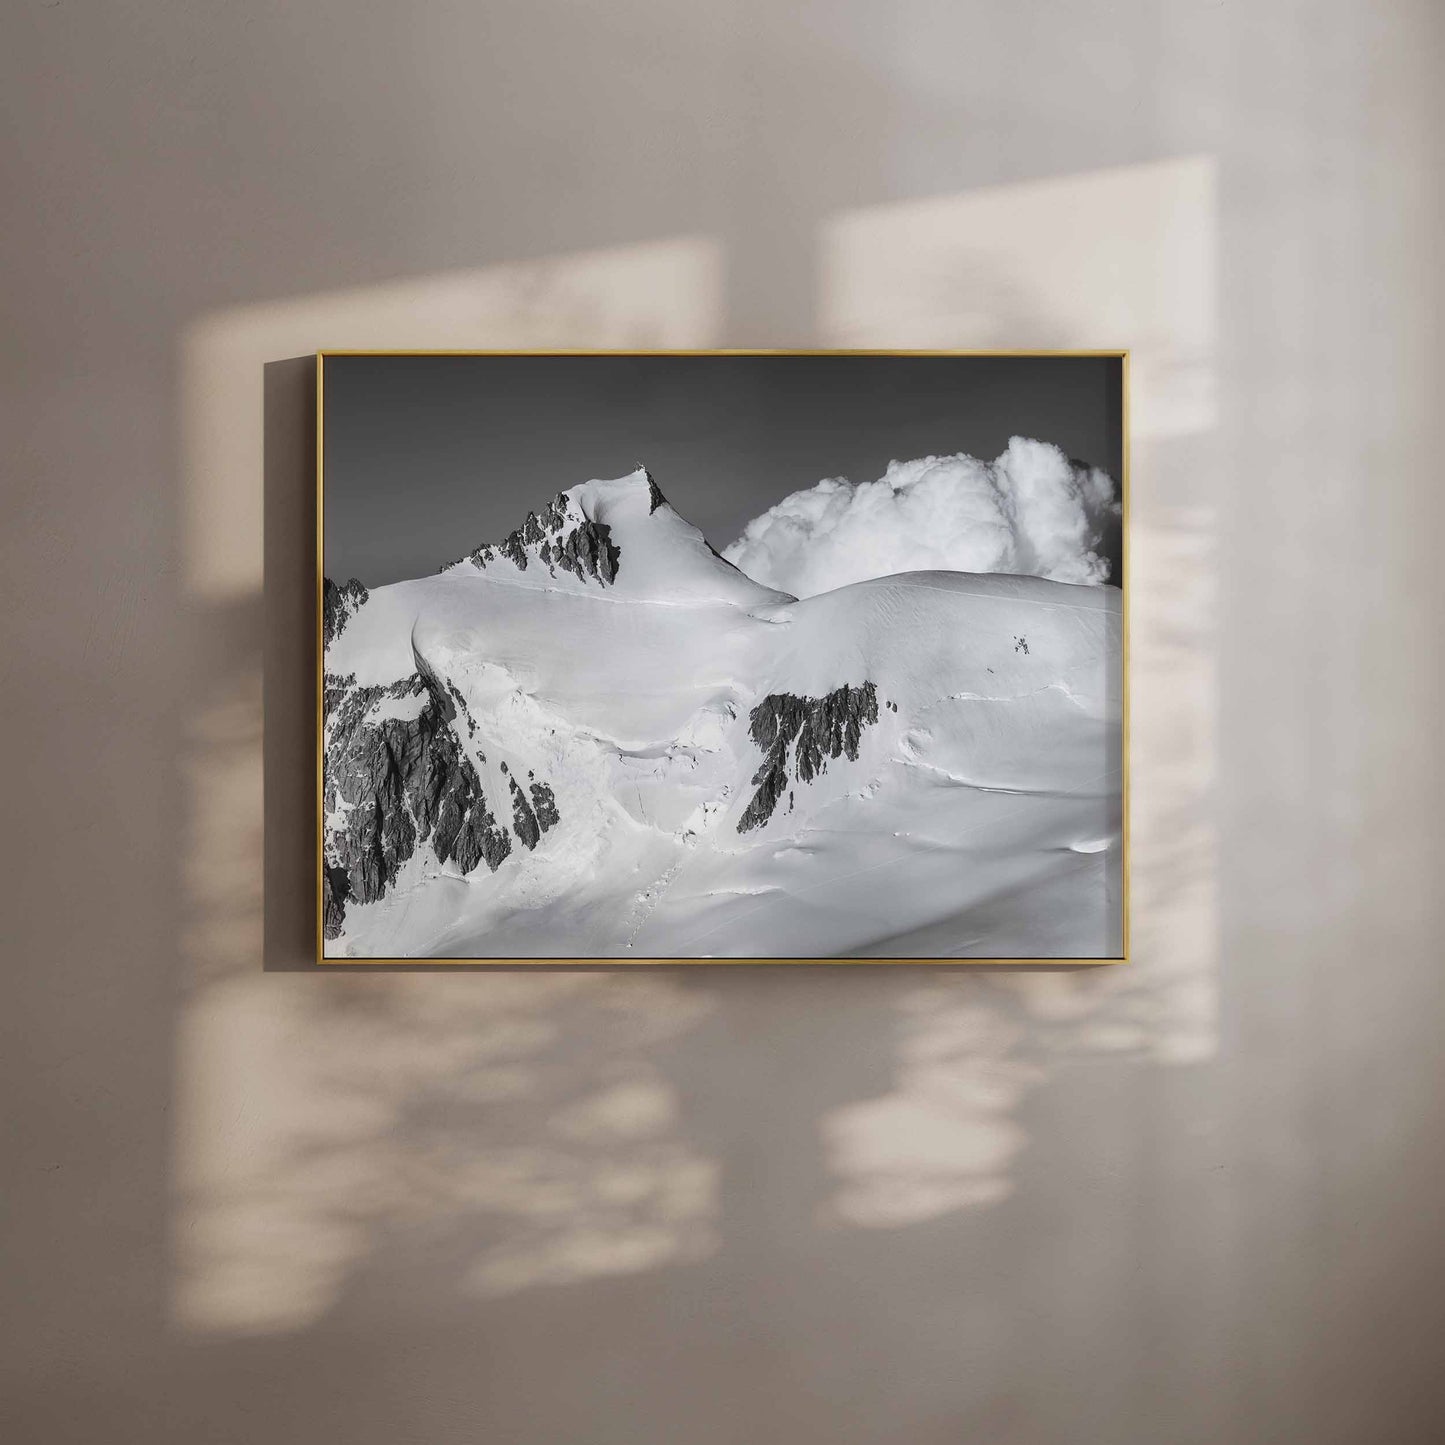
(428,456)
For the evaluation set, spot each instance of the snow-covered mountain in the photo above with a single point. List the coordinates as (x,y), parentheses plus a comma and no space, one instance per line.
(598,738)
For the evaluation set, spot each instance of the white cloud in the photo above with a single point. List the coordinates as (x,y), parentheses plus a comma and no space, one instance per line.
(1031,511)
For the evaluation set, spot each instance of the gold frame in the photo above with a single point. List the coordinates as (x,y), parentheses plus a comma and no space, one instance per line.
(1121,355)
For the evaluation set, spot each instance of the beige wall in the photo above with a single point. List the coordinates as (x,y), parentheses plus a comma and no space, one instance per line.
(1192,1201)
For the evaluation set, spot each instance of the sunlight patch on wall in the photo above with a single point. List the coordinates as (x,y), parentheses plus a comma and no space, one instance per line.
(664,293)
(1124,257)
(945,1137)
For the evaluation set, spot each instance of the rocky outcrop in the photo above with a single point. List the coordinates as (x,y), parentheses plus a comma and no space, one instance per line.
(335,890)
(462,710)
(531,817)
(524,820)
(815,728)
(396,777)
(339,605)
(586,551)
(556,537)
(544,805)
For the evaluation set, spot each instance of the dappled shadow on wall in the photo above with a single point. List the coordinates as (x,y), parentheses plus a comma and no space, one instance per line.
(479,1133)
(1113,258)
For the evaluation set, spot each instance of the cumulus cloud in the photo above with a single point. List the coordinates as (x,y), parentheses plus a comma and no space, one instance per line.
(1031,511)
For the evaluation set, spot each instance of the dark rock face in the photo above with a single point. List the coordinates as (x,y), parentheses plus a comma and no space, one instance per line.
(585,548)
(524,820)
(462,710)
(396,783)
(544,805)
(339,605)
(335,890)
(451,807)
(821,727)
(334,690)
(530,819)
(589,551)
(655,499)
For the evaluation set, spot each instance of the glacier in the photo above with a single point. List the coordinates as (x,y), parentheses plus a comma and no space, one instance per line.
(599,739)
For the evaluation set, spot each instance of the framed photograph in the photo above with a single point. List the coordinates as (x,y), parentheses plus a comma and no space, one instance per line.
(673,657)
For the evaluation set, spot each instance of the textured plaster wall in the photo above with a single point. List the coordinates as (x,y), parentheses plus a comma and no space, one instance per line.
(1194,1201)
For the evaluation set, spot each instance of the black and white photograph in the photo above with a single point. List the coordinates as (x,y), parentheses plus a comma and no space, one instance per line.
(687,656)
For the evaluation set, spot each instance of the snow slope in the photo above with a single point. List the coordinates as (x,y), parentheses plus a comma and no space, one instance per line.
(918,765)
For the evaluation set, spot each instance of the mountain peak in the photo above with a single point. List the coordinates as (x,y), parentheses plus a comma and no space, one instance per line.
(618,533)
(655,499)
(612,492)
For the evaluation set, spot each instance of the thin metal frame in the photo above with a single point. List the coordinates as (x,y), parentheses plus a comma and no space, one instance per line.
(1121,355)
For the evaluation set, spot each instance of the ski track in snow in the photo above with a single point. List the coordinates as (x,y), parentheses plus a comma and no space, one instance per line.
(959,781)
(1057,685)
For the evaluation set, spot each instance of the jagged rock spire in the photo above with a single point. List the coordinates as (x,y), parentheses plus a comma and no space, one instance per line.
(655,499)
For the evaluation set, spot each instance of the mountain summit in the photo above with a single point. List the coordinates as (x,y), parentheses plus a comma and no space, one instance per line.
(582,535)
(597,738)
